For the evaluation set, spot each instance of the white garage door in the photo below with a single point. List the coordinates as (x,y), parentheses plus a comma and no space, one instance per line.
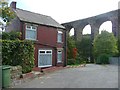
(45,58)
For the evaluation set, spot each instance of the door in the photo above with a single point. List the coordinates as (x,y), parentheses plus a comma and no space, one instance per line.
(45,58)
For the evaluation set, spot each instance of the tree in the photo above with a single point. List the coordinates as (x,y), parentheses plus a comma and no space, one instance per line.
(5,12)
(119,41)
(105,43)
(70,46)
(84,47)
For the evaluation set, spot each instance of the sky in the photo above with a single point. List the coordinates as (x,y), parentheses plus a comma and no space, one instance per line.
(68,10)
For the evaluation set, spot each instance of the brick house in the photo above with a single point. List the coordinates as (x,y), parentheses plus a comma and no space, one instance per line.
(48,35)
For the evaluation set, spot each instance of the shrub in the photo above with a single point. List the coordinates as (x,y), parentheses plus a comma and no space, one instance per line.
(102,59)
(16,52)
(71,61)
(11,35)
(78,60)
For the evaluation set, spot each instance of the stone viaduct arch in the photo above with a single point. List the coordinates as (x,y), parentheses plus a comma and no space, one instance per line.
(95,22)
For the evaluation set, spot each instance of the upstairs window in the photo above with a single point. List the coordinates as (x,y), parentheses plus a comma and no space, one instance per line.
(31,32)
(59,37)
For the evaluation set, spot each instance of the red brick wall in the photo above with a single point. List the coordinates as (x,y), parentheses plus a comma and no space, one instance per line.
(47,39)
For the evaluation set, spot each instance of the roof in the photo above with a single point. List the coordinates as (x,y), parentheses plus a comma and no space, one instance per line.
(32,17)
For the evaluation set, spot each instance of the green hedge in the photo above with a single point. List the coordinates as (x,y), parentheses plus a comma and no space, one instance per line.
(76,61)
(102,59)
(70,61)
(16,52)
(11,35)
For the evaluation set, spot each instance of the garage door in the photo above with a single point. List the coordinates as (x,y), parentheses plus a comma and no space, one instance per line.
(45,58)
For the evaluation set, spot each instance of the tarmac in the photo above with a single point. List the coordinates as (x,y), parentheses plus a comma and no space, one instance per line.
(90,76)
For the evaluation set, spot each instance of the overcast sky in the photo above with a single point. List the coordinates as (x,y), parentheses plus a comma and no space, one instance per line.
(68,10)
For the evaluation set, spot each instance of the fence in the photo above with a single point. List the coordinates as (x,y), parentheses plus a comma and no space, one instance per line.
(114,60)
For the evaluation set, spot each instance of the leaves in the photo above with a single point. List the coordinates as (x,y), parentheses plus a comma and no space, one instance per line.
(16,52)
(84,46)
(105,43)
(11,35)
(5,12)
(70,46)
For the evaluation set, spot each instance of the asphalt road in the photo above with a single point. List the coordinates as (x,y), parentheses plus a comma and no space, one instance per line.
(91,76)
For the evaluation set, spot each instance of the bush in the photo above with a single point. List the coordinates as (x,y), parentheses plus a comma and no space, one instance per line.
(78,60)
(11,35)
(71,61)
(103,59)
(16,52)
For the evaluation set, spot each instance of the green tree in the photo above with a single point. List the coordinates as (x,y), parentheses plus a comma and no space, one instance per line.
(70,46)
(105,43)
(84,47)
(119,41)
(5,12)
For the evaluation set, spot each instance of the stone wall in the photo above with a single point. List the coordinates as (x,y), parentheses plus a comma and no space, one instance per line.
(15,73)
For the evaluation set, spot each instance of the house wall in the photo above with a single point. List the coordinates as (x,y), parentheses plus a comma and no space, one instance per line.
(46,39)
(14,25)
(54,54)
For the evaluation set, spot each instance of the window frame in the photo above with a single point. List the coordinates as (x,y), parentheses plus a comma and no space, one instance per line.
(59,52)
(60,33)
(31,29)
(45,50)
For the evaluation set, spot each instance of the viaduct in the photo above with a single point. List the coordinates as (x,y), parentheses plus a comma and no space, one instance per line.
(95,22)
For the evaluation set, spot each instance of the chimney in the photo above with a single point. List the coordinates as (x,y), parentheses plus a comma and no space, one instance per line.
(13,5)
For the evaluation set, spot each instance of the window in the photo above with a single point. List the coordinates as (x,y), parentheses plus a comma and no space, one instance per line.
(45,58)
(59,39)
(59,56)
(31,32)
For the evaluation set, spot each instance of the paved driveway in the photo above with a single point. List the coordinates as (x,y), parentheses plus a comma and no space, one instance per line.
(91,76)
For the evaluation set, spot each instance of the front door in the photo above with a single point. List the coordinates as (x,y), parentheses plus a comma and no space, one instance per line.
(45,58)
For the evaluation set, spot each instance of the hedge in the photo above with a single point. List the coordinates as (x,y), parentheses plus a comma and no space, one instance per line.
(103,59)
(16,52)
(76,61)
(11,35)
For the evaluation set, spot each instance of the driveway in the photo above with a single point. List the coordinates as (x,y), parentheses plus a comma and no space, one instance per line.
(91,76)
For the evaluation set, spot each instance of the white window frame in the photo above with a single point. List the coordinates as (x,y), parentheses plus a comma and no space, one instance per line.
(59,52)
(43,54)
(31,29)
(60,33)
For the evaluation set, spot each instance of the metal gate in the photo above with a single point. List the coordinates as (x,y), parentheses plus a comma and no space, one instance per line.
(45,58)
